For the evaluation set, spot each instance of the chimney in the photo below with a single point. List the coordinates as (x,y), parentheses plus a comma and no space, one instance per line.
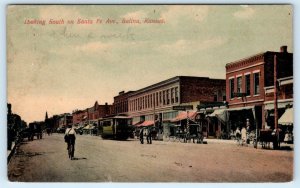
(283,49)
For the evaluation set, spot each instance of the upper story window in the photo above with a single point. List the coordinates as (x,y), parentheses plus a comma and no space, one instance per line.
(172,95)
(231,87)
(160,98)
(247,84)
(215,97)
(239,84)
(176,95)
(168,96)
(164,97)
(256,83)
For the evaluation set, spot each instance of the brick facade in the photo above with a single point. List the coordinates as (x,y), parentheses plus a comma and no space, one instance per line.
(120,105)
(91,114)
(261,64)
(249,83)
(202,89)
(160,98)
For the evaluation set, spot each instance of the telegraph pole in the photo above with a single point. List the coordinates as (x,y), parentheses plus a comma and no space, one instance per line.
(275,142)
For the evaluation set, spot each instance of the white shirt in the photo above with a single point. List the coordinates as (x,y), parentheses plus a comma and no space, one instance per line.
(72,131)
(244,133)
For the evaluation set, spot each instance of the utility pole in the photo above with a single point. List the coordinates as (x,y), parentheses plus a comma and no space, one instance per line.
(187,124)
(275,142)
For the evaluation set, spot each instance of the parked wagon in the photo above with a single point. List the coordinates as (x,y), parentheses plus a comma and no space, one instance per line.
(267,136)
(196,133)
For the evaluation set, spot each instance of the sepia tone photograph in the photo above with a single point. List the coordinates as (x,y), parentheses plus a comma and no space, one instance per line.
(150,93)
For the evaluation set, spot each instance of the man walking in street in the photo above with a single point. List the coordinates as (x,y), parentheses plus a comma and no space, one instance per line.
(141,134)
(149,135)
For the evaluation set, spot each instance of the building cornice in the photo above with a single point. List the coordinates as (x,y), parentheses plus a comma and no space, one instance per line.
(164,83)
(246,61)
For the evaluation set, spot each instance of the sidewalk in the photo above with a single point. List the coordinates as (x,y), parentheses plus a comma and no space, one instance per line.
(221,141)
(283,146)
(11,152)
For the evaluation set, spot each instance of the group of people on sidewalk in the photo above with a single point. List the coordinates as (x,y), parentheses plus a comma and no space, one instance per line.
(148,132)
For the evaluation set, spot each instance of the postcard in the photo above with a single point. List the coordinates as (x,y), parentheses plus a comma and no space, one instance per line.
(150,93)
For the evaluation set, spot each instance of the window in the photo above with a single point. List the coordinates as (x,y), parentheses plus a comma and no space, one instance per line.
(215,97)
(239,84)
(172,95)
(146,101)
(164,97)
(176,95)
(247,84)
(170,115)
(160,98)
(256,83)
(168,96)
(156,99)
(107,123)
(231,87)
(149,117)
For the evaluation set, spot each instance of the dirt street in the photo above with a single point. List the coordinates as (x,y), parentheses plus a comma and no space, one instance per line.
(98,160)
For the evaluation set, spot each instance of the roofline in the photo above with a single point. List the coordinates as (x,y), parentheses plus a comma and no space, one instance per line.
(245,59)
(166,82)
(252,57)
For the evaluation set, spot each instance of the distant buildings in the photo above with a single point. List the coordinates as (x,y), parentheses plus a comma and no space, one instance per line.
(160,98)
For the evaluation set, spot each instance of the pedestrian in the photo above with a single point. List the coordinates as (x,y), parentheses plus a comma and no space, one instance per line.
(248,129)
(244,135)
(237,133)
(71,137)
(149,135)
(141,135)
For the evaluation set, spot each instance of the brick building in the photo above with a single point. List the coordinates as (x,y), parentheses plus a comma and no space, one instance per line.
(91,115)
(79,117)
(160,98)
(249,84)
(64,120)
(120,105)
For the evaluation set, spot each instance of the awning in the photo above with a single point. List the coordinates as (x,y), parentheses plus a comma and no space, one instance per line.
(146,123)
(221,114)
(240,108)
(280,104)
(89,127)
(287,117)
(121,117)
(183,115)
(137,123)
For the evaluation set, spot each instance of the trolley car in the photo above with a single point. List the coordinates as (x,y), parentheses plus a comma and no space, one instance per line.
(116,127)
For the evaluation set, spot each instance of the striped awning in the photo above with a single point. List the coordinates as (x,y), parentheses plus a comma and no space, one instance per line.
(287,118)
(183,115)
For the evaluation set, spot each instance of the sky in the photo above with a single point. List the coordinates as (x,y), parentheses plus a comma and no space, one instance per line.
(62,67)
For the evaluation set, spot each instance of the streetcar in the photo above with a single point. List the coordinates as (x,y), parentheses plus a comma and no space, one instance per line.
(116,127)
